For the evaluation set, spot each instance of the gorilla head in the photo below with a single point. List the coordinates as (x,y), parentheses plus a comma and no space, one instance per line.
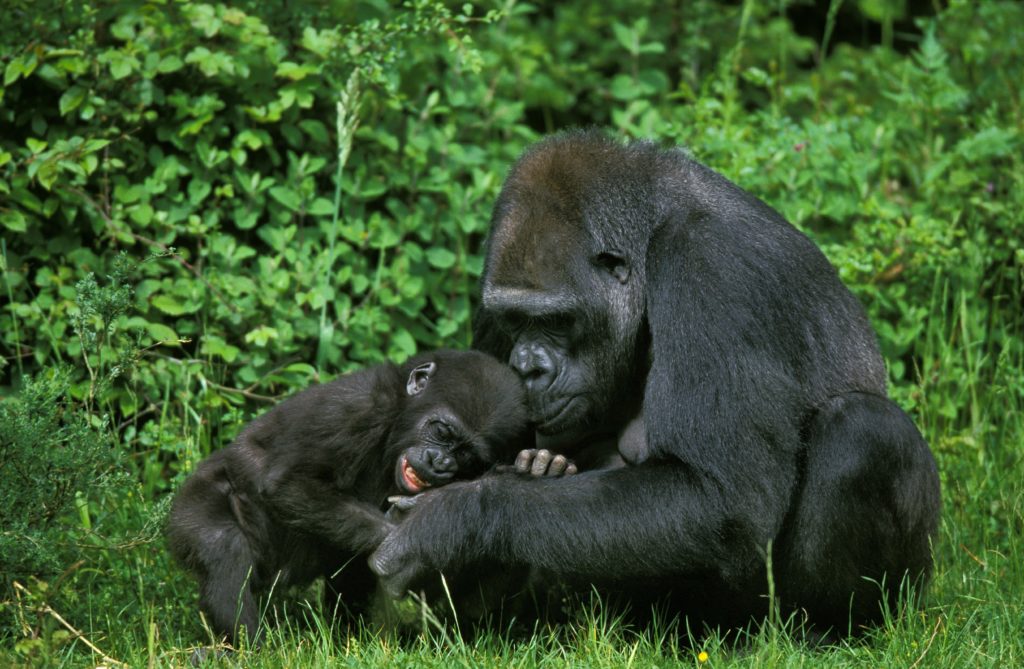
(565,302)
(462,413)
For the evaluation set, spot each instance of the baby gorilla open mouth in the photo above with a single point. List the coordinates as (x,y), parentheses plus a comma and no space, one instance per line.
(407,477)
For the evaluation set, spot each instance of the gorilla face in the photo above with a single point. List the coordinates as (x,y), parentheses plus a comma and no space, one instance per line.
(444,449)
(561,353)
(458,420)
(562,300)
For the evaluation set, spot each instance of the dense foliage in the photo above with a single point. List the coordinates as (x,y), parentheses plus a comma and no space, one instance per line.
(204,206)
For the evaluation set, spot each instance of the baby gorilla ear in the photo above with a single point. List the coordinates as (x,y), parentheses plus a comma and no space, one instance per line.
(419,377)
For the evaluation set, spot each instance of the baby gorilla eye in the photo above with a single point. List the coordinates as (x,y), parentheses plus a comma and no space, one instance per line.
(442,432)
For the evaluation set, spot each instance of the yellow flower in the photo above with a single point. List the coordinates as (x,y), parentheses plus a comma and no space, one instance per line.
(702,657)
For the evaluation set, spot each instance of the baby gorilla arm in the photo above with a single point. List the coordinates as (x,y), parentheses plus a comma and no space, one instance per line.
(316,507)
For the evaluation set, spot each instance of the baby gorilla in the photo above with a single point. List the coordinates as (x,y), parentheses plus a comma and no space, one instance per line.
(299,494)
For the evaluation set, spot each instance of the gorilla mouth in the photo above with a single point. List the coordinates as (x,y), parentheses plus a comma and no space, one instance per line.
(549,425)
(408,478)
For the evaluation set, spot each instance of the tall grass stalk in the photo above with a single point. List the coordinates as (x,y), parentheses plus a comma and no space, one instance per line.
(347,120)
(11,302)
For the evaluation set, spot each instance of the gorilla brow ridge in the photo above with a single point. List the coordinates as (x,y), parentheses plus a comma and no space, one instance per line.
(540,302)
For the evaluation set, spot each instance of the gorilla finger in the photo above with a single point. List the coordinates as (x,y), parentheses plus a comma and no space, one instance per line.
(540,463)
(404,502)
(557,466)
(400,507)
(524,460)
(397,585)
(386,560)
(570,469)
(395,568)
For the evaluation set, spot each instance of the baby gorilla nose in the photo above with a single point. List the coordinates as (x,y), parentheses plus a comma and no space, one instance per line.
(441,462)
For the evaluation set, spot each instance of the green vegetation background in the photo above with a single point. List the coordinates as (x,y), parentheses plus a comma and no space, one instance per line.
(205,207)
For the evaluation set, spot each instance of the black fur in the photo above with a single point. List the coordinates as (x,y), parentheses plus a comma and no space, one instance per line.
(299,494)
(627,281)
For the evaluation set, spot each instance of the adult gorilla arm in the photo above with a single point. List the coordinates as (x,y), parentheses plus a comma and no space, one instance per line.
(627,524)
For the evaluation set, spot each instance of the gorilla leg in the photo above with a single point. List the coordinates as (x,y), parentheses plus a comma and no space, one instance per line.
(211,530)
(225,588)
(865,516)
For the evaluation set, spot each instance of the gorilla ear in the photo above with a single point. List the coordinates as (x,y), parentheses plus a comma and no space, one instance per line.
(614,264)
(419,377)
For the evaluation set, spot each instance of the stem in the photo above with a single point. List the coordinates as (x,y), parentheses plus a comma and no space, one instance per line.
(347,122)
(14,317)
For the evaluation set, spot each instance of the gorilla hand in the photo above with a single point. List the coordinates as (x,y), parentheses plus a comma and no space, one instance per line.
(400,507)
(435,534)
(397,563)
(542,462)
(539,463)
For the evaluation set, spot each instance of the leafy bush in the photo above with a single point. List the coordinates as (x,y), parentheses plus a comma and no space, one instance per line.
(50,456)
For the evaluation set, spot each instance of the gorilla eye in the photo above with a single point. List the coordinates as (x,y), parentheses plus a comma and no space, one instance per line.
(614,264)
(442,432)
(513,321)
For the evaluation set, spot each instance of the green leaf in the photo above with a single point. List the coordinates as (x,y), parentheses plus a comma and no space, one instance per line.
(214,345)
(170,64)
(261,335)
(286,196)
(404,342)
(72,99)
(294,71)
(321,207)
(14,220)
(121,66)
(440,257)
(315,129)
(624,88)
(128,194)
(198,190)
(246,219)
(626,37)
(301,368)
(411,286)
(21,66)
(95,145)
(142,214)
(161,332)
(446,327)
(168,304)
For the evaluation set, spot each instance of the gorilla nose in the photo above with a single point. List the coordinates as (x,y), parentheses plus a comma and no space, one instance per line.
(441,462)
(533,363)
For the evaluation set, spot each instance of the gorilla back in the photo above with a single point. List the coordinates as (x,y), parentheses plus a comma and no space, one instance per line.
(618,272)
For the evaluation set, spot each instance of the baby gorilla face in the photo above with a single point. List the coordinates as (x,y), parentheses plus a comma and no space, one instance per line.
(444,451)
(464,412)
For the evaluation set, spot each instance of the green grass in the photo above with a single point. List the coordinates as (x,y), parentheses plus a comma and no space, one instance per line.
(973,618)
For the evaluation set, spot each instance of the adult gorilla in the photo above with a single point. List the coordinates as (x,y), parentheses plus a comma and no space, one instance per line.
(620,273)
